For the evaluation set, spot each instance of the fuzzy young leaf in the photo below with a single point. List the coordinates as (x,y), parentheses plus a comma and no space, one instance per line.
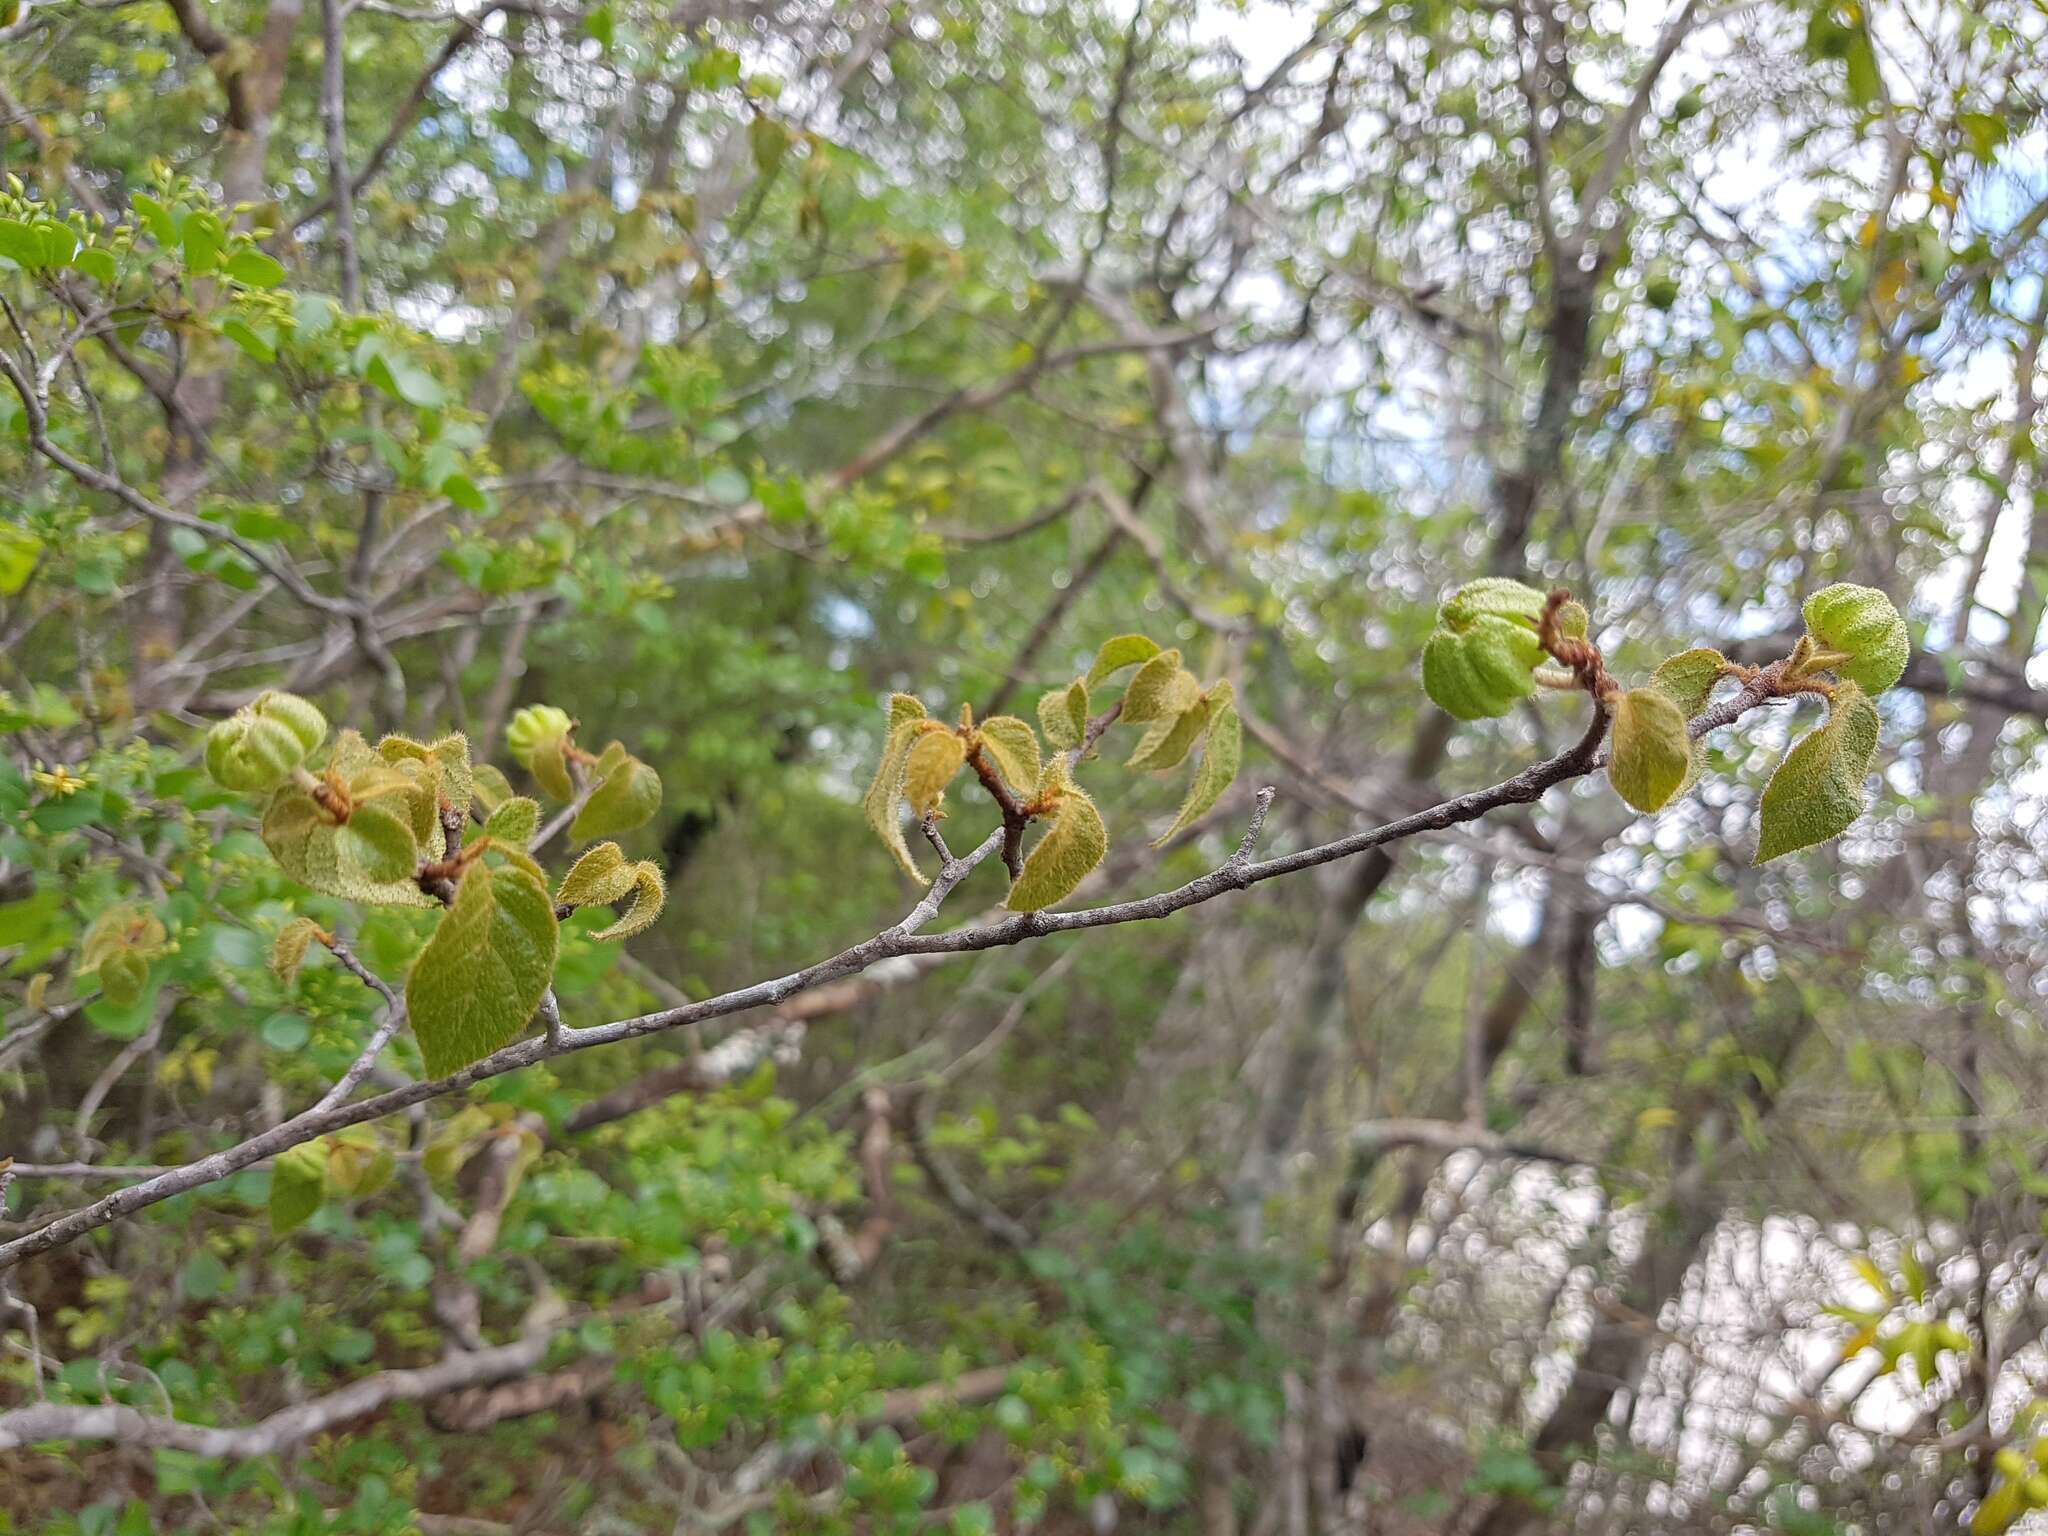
(934,758)
(1166,743)
(1063,715)
(1861,624)
(288,953)
(514,821)
(1651,751)
(310,848)
(538,738)
(1478,672)
(1118,653)
(1689,677)
(1494,596)
(358,1164)
(446,760)
(1162,690)
(1071,846)
(483,973)
(885,794)
(1014,746)
(489,787)
(600,877)
(123,975)
(298,1183)
(376,845)
(266,739)
(650,891)
(628,798)
(1819,790)
(1221,758)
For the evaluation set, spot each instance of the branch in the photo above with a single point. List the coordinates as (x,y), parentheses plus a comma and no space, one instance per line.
(1237,873)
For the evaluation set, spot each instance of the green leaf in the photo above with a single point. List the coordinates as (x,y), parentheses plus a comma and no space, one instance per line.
(1063,715)
(650,891)
(1118,653)
(202,238)
(628,798)
(288,953)
(20,244)
(1014,746)
(1071,846)
(885,795)
(298,1183)
(1651,751)
(19,552)
(1689,677)
(514,821)
(163,229)
(98,263)
(485,970)
(1860,624)
(253,269)
(1819,790)
(935,756)
(1221,758)
(1162,690)
(600,877)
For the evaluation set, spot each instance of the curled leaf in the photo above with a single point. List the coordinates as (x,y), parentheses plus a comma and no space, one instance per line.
(1061,859)
(650,891)
(261,743)
(483,973)
(1118,653)
(1651,751)
(627,798)
(1063,715)
(885,795)
(1479,671)
(1162,690)
(1491,596)
(1819,790)
(934,758)
(1860,625)
(1221,758)
(599,878)
(1014,746)
(288,953)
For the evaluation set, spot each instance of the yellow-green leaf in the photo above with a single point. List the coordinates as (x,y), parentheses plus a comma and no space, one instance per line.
(514,821)
(1162,690)
(1166,743)
(483,973)
(934,758)
(1819,790)
(650,891)
(1118,653)
(599,878)
(1689,677)
(1221,757)
(885,794)
(1651,751)
(1063,715)
(1479,670)
(489,787)
(628,798)
(1071,846)
(288,953)
(1014,746)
